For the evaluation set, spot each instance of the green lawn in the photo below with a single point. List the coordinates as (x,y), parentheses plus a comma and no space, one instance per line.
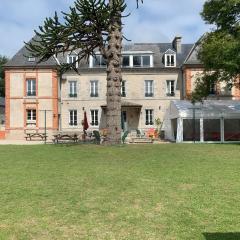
(133,192)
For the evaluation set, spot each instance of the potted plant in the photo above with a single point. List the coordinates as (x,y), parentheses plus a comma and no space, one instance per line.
(158,130)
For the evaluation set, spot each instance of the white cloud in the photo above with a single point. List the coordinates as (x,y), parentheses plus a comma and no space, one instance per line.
(154,21)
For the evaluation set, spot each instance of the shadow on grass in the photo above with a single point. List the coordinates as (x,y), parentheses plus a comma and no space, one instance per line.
(222,236)
(61,144)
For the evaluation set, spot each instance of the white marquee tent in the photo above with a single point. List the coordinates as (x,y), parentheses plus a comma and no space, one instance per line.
(210,121)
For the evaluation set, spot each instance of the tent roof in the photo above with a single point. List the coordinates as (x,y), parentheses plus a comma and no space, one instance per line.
(207,109)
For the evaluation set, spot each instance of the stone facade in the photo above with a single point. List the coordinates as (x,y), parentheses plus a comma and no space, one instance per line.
(137,105)
(153,75)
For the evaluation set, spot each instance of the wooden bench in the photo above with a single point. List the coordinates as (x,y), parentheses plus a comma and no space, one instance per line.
(65,138)
(36,136)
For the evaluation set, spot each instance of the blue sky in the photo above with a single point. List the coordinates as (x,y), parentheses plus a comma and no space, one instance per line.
(154,21)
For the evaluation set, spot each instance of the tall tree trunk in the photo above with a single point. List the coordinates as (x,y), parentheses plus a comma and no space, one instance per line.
(114,78)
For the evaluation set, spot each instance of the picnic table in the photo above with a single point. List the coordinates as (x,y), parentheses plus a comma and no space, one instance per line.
(35,136)
(65,137)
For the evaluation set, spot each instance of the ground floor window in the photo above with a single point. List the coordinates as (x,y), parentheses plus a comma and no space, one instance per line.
(94,118)
(149,117)
(191,130)
(232,129)
(31,116)
(212,129)
(73,117)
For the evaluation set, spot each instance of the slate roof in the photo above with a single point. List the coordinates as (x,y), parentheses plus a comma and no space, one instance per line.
(158,50)
(20,59)
(193,56)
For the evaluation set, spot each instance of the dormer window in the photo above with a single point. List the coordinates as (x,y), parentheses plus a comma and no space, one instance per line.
(31,59)
(72,59)
(141,61)
(170,60)
(99,61)
(126,61)
(131,59)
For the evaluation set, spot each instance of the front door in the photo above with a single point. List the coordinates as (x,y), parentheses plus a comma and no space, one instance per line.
(124,121)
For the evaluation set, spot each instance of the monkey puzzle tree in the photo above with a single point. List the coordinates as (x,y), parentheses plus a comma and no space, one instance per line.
(220,48)
(90,25)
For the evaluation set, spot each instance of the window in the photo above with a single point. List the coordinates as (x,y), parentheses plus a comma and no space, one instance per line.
(191,130)
(31,59)
(73,117)
(170,60)
(213,88)
(146,61)
(125,61)
(141,61)
(31,87)
(31,117)
(94,117)
(72,89)
(99,61)
(72,59)
(148,88)
(170,88)
(123,89)
(94,88)
(149,116)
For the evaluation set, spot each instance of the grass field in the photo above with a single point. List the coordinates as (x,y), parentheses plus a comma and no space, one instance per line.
(138,192)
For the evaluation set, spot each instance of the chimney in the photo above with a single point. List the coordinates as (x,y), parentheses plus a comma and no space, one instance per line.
(177,44)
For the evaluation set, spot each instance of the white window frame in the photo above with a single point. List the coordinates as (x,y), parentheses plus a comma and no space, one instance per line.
(72,89)
(70,59)
(149,116)
(31,59)
(94,116)
(169,85)
(94,88)
(101,59)
(32,120)
(74,121)
(141,64)
(130,55)
(33,91)
(170,55)
(148,88)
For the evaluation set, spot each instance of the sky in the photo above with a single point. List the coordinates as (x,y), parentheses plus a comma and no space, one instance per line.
(155,21)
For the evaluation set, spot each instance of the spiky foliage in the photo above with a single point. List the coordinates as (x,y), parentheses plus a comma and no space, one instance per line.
(84,29)
(89,25)
(220,49)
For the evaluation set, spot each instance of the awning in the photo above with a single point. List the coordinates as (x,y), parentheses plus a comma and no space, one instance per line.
(126,104)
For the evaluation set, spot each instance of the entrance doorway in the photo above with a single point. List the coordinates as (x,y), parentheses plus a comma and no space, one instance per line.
(124,121)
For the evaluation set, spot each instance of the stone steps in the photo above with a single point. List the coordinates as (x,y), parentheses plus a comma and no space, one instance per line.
(141,140)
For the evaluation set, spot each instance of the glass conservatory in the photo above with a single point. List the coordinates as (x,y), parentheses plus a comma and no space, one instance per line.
(210,121)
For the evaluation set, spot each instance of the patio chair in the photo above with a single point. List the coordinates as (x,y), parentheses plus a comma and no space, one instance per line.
(97,137)
(124,136)
(140,133)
